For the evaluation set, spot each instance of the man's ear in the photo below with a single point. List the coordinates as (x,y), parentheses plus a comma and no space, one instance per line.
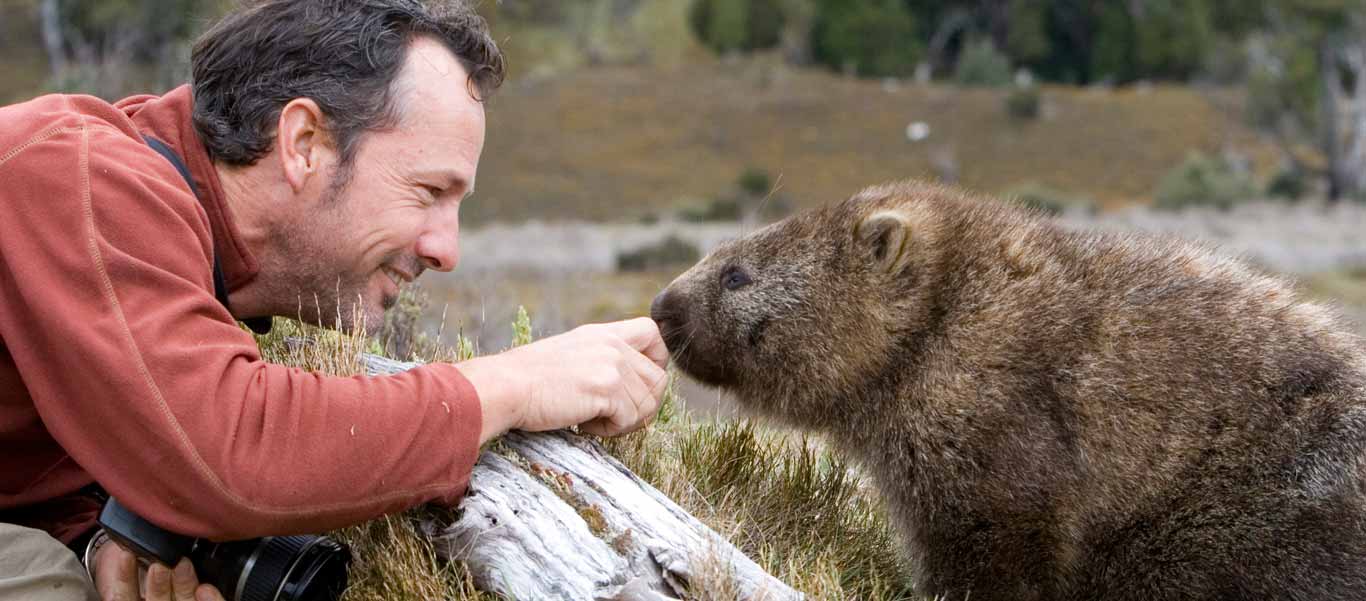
(887,236)
(305,148)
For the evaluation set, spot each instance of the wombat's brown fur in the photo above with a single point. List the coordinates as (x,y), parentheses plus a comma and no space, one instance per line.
(1049,414)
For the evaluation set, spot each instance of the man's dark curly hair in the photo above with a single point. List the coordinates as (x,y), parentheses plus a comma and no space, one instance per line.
(342,54)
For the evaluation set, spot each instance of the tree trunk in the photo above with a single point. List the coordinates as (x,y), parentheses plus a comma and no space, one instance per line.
(1343,75)
(796,36)
(953,23)
(49,16)
(551,516)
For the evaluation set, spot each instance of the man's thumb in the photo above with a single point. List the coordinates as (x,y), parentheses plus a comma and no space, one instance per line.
(642,334)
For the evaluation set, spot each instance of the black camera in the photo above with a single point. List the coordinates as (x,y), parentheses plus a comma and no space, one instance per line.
(273,568)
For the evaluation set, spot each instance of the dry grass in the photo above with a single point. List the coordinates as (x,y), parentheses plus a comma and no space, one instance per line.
(394,563)
(786,502)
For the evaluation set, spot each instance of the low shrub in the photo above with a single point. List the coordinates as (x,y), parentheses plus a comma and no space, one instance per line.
(981,64)
(669,252)
(755,182)
(869,38)
(738,25)
(1023,103)
(1203,181)
(718,209)
(1288,183)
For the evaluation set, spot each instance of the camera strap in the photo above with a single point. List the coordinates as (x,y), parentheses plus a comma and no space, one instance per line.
(260,325)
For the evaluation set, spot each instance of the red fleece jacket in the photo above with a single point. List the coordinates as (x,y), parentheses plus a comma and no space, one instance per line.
(118,366)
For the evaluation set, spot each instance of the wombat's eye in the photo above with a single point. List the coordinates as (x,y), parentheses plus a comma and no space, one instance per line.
(735,278)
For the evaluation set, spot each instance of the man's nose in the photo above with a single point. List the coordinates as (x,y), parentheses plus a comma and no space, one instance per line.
(439,246)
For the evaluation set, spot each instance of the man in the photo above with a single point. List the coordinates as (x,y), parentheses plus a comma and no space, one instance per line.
(330,143)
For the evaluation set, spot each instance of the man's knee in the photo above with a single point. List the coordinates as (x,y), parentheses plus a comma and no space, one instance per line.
(36,566)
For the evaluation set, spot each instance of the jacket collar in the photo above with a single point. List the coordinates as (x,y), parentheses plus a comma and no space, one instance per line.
(168,118)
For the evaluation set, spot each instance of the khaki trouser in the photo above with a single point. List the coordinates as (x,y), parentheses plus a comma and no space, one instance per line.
(36,566)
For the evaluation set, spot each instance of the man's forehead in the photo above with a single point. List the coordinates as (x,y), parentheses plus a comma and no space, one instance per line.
(433,78)
(440,121)
(434,58)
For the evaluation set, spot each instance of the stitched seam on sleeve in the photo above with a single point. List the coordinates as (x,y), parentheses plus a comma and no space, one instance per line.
(106,284)
(14,152)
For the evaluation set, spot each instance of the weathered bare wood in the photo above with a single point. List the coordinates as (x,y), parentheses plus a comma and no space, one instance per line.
(552,516)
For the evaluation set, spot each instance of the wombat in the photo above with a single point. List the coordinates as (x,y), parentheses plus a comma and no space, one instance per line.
(1048,414)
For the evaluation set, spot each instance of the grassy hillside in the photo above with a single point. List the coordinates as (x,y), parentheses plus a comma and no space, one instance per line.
(621,142)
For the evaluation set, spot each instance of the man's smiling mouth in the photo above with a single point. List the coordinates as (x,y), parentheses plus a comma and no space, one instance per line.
(397,277)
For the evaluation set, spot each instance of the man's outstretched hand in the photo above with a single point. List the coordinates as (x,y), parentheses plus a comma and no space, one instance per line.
(608,379)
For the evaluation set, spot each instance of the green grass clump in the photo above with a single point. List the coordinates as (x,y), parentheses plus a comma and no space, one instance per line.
(521,328)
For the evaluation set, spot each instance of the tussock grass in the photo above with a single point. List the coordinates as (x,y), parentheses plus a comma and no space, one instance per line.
(785,501)
(392,562)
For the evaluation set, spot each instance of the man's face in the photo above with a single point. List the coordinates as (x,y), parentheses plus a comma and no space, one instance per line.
(396,213)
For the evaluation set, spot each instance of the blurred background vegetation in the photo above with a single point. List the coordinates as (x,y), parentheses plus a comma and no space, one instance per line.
(634,134)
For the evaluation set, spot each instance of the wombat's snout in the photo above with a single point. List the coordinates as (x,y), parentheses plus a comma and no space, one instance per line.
(670,312)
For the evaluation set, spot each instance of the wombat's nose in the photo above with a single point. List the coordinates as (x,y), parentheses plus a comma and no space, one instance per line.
(667,310)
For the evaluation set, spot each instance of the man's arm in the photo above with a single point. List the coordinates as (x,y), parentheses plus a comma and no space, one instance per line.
(152,388)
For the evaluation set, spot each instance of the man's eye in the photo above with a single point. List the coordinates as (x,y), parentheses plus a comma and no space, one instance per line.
(433,191)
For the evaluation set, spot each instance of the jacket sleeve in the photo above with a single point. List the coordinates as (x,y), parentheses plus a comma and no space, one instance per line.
(149,384)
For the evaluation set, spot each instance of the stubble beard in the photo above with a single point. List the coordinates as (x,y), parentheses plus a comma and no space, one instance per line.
(313,272)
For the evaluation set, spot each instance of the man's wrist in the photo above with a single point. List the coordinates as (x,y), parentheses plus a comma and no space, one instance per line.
(498,404)
(92,549)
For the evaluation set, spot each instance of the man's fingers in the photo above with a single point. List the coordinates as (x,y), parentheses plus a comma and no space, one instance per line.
(116,574)
(207,593)
(158,583)
(642,334)
(636,401)
(655,380)
(643,381)
(184,580)
(597,427)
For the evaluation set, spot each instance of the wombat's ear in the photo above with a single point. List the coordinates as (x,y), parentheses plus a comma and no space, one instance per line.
(887,234)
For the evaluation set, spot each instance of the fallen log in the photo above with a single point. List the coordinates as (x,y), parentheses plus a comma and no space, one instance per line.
(553,516)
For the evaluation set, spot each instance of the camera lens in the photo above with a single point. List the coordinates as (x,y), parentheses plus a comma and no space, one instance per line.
(276,568)
(319,574)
